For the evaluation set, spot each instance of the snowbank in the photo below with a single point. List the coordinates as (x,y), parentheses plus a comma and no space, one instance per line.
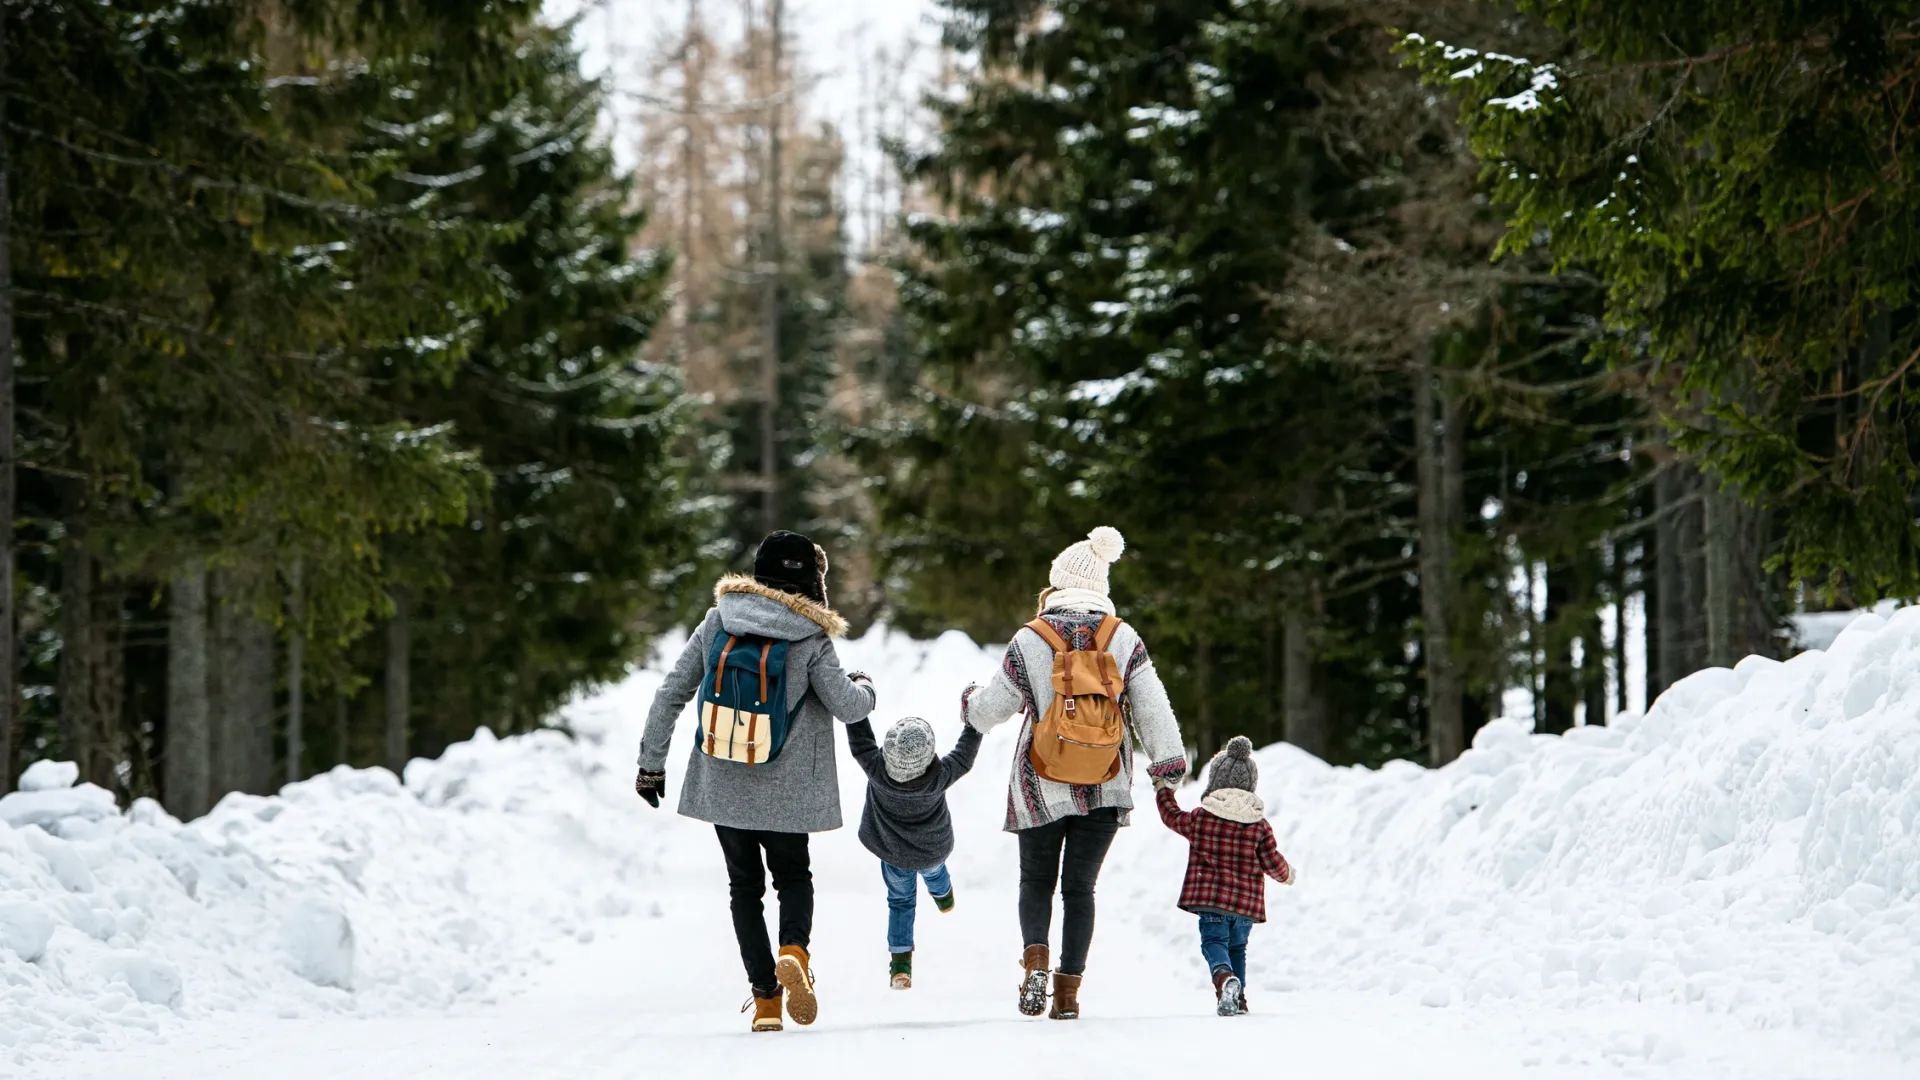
(1750,847)
(347,893)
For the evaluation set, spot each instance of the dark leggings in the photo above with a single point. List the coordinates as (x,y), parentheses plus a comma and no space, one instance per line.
(787,861)
(1068,851)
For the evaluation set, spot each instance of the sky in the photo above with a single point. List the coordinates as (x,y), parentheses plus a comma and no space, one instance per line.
(616,35)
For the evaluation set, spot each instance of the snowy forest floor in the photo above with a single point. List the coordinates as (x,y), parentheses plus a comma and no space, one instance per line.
(1557,970)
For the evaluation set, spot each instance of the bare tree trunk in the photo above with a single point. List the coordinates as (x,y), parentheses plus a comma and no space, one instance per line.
(1558,691)
(224,725)
(1653,632)
(342,730)
(1693,610)
(240,693)
(1203,692)
(187,758)
(1303,712)
(1619,627)
(1504,627)
(1272,710)
(1722,513)
(10,726)
(107,662)
(253,662)
(1670,593)
(770,298)
(78,725)
(296,677)
(399,690)
(1593,671)
(1446,728)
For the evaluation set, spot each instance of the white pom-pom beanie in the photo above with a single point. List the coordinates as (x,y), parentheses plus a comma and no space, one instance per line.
(1084,564)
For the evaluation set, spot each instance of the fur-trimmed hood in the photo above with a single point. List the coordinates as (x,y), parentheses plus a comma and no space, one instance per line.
(1235,804)
(817,613)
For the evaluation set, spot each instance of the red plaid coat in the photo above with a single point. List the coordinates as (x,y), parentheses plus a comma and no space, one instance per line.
(1225,860)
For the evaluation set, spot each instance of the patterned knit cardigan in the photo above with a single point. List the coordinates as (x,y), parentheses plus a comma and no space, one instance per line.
(1025,681)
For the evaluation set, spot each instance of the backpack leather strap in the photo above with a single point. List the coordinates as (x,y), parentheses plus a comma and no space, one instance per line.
(1049,635)
(721,667)
(1102,640)
(1060,649)
(764,650)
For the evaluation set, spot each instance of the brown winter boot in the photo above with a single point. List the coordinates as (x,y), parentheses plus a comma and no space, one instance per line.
(1066,997)
(766,1012)
(1033,980)
(795,972)
(1227,994)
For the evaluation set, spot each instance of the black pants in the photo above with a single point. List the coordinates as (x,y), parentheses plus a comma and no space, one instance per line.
(786,860)
(1069,852)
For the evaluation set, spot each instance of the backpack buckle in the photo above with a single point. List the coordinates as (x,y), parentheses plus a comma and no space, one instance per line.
(1069,706)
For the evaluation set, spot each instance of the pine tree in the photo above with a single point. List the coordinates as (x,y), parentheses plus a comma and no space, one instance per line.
(1735,172)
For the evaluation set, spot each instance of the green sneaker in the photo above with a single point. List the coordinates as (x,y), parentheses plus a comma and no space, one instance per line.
(900,970)
(944,903)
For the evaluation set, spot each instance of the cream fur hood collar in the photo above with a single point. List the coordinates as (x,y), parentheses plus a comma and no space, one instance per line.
(820,614)
(1235,804)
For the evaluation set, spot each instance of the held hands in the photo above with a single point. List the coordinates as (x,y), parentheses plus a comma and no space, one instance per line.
(859,678)
(651,786)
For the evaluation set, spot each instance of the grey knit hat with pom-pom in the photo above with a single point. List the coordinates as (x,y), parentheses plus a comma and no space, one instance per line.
(908,749)
(1233,767)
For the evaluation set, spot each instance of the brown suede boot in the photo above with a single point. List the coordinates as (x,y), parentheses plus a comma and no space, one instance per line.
(794,969)
(1066,997)
(1033,980)
(766,1012)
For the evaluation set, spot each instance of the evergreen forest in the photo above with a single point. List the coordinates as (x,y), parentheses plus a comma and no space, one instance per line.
(376,371)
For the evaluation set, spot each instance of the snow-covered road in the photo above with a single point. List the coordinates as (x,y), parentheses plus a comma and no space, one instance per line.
(656,995)
(1729,888)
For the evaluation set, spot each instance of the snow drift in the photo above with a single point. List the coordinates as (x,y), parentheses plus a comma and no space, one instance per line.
(346,893)
(1750,847)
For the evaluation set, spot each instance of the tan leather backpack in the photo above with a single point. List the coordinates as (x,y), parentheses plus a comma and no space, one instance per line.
(1078,740)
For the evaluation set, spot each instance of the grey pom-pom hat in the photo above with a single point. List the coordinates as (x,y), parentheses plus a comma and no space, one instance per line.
(1233,767)
(908,749)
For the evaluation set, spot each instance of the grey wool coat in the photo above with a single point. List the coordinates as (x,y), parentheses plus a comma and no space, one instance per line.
(798,791)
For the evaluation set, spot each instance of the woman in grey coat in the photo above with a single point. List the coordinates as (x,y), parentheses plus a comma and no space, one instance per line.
(1066,829)
(767,808)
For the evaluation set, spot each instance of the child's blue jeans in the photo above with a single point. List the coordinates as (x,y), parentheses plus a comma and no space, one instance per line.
(1223,941)
(901,899)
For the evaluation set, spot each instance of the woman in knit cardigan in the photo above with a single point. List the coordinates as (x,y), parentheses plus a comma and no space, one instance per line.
(1066,829)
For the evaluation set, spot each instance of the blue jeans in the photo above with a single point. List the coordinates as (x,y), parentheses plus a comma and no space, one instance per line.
(1223,941)
(901,897)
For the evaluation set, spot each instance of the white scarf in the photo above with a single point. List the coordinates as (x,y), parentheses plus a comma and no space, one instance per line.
(1079,600)
(1235,804)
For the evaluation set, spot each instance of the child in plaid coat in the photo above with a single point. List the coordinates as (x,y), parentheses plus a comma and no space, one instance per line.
(1230,852)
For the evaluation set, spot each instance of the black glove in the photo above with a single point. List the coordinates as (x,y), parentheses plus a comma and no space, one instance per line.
(652,786)
(859,678)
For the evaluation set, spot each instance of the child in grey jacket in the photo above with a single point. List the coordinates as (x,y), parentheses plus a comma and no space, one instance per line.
(906,823)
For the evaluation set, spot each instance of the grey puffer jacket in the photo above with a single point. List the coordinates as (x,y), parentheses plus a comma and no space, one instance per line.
(798,791)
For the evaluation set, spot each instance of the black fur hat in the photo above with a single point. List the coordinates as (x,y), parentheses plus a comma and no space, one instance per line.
(792,563)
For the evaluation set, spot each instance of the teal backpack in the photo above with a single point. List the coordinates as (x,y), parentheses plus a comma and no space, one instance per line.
(743,699)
